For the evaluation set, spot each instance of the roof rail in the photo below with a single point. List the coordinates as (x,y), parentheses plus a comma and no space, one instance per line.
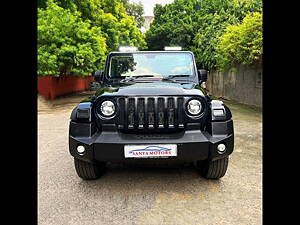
(127,49)
(173,48)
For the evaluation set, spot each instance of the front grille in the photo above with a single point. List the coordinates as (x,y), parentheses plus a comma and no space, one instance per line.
(150,113)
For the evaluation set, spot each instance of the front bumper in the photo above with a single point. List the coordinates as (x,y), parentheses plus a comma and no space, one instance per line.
(192,145)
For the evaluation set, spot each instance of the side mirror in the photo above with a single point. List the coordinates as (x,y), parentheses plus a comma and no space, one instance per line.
(98,76)
(202,74)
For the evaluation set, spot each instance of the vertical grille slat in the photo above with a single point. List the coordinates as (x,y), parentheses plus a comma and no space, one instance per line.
(171,114)
(122,120)
(151,112)
(131,113)
(180,112)
(141,112)
(161,112)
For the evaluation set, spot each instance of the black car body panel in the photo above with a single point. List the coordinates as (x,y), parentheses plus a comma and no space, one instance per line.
(154,88)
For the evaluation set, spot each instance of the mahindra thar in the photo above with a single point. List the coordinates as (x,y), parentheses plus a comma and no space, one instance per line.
(151,106)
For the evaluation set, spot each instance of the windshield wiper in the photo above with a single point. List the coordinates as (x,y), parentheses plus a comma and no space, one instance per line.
(170,77)
(132,78)
(175,75)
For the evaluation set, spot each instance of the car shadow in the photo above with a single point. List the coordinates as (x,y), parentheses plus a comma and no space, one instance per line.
(151,179)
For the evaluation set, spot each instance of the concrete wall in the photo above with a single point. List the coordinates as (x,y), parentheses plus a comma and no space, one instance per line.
(243,85)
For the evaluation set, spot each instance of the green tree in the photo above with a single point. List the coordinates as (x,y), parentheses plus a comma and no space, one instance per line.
(110,15)
(173,24)
(136,10)
(196,25)
(206,39)
(67,44)
(241,43)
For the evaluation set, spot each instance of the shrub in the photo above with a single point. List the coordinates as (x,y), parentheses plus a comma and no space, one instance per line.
(241,44)
(67,44)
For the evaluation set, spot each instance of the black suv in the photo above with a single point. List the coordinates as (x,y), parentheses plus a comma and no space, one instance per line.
(151,106)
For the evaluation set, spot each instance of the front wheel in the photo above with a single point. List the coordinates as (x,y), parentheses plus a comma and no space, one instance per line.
(88,171)
(213,169)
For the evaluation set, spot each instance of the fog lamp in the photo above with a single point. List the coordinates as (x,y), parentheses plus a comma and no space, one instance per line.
(221,148)
(80,149)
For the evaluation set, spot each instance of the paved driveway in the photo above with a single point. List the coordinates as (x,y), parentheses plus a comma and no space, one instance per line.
(133,195)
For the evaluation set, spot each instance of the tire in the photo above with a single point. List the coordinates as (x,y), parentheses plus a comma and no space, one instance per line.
(213,169)
(88,171)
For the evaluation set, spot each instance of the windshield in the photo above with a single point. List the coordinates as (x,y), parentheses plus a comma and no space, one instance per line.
(151,64)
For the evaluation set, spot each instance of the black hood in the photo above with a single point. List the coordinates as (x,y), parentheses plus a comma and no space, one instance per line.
(151,89)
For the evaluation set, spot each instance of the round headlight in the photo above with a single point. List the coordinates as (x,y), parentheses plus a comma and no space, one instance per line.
(194,107)
(107,108)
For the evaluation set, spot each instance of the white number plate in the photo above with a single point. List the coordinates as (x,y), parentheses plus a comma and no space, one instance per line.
(150,151)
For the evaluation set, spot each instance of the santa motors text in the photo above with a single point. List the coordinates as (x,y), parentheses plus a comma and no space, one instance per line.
(152,153)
